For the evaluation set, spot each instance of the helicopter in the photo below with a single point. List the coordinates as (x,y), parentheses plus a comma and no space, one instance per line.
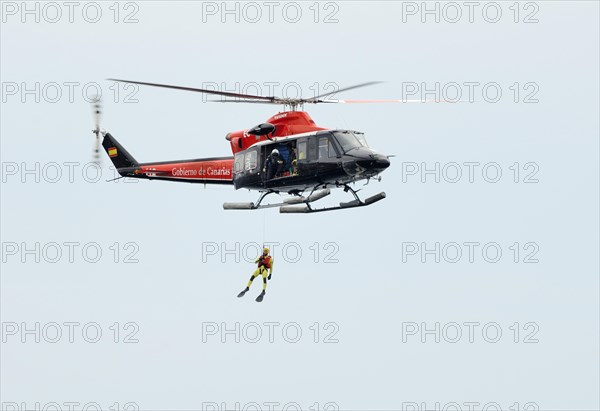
(310,159)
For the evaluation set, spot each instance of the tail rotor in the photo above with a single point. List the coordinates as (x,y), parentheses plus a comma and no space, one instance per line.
(97,109)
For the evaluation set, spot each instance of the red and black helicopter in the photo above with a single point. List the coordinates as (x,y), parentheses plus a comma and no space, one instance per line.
(310,159)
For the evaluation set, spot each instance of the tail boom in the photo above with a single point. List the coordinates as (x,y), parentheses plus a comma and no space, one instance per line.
(213,170)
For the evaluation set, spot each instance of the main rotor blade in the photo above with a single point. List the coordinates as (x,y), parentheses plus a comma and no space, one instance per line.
(199,90)
(274,101)
(250,98)
(314,99)
(387,101)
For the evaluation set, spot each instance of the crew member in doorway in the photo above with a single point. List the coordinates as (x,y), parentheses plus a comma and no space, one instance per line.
(273,165)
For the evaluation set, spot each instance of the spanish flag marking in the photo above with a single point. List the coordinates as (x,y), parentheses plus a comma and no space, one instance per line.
(112,152)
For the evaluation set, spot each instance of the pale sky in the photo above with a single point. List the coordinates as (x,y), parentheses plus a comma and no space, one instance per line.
(382,324)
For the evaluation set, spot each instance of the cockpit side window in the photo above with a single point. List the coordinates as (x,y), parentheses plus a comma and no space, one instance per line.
(238,165)
(326,149)
(361,138)
(349,140)
(332,152)
(323,148)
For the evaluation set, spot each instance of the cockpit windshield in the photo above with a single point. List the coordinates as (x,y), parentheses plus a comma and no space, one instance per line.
(350,140)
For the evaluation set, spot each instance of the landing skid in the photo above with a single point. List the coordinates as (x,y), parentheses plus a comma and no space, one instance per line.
(357,202)
(253,206)
(304,203)
(297,199)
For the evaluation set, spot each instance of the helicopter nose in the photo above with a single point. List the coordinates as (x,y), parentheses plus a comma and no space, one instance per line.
(383,163)
(375,162)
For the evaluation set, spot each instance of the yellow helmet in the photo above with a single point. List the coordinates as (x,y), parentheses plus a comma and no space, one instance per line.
(266,250)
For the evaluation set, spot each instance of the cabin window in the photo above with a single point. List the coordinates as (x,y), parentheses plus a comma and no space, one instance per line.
(251,157)
(302,150)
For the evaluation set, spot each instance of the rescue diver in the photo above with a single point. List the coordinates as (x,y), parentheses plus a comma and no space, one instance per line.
(265,265)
